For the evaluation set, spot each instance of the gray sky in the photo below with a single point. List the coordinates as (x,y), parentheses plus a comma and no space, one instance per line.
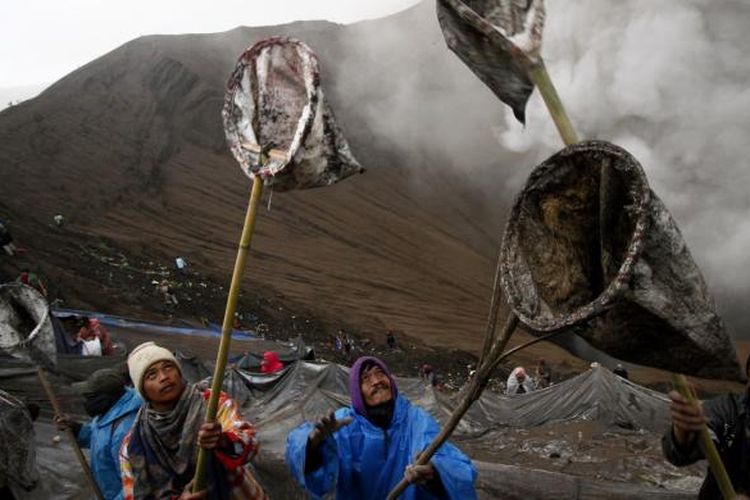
(41,41)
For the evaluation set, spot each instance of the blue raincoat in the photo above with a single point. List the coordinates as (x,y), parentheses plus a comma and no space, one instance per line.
(104,435)
(363,461)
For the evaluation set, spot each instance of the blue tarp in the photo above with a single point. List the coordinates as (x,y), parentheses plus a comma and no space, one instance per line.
(212,331)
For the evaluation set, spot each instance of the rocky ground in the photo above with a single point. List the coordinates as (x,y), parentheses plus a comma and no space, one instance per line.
(129,280)
(132,285)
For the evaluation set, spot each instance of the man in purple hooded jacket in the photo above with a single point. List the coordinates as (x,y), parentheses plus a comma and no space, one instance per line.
(363,451)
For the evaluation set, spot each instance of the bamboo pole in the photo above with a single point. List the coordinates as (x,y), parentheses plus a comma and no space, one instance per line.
(490,357)
(712,454)
(476,387)
(540,77)
(489,334)
(199,481)
(71,435)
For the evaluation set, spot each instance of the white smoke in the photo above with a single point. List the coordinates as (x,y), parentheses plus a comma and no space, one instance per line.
(666,80)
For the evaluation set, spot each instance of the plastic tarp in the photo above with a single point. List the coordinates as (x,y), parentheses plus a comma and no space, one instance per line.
(279,402)
(17,452)
(25,326)
(589,243)
(212,331)
(277,121)
(596,395)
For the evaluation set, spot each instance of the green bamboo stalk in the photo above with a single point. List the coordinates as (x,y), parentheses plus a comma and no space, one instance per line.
(540,77)
(199,480)
(476,387)
(72,438)
(709,447)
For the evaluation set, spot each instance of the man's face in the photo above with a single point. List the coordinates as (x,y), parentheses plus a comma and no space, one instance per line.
(162,383)
(520,376)
(375,386)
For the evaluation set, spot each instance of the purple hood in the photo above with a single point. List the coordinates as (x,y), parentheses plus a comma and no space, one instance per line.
(355,392)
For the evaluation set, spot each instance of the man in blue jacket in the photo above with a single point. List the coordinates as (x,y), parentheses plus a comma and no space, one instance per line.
(364,450)
(113,407)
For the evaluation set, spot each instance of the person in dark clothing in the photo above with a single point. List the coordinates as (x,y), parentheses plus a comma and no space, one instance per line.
(620,371)
(6,240)
(113,407)
(543,374)
(390,340)
(728,420)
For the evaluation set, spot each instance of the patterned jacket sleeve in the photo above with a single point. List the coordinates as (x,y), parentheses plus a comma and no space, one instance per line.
(240,433)
(126,471)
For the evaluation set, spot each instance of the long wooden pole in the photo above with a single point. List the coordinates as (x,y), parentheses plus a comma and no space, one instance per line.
(540,77)
(476,387)
(199,481)
(712,454)
(71,435)
(491,327)
(490,357)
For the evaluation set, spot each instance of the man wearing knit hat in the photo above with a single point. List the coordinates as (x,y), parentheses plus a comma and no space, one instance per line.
(728,419)
(363,451)
(113,407)
(158,456)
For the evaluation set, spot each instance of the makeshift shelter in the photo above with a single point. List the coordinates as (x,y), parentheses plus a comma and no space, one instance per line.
(305,390)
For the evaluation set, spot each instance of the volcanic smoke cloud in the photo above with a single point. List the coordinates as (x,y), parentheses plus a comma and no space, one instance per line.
(666,80)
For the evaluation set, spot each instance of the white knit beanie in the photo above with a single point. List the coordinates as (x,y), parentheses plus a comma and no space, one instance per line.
(144,356)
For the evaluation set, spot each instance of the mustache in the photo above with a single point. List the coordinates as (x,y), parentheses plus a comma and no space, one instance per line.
(378,386)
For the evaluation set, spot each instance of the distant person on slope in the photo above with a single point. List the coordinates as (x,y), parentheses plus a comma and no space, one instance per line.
(165,288)
(390,340)
(158,456)
(31,279)
(363,451)
(92,332)
(113,407)
(6,240)
(181,265)
(427,372)
(518,382)
(620,371)
(543,374)
(728,420)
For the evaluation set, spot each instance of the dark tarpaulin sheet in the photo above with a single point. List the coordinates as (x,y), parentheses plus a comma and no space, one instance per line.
(304,391)
(25,326)
(17,453)
(589,243)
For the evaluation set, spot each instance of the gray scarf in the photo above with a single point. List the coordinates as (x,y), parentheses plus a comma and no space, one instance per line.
(163,446)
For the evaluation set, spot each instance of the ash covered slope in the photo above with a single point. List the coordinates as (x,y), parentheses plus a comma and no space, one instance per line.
(131,147)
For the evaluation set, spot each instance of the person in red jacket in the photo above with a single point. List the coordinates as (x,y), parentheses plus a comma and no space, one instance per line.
(271,363)
(92,329)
